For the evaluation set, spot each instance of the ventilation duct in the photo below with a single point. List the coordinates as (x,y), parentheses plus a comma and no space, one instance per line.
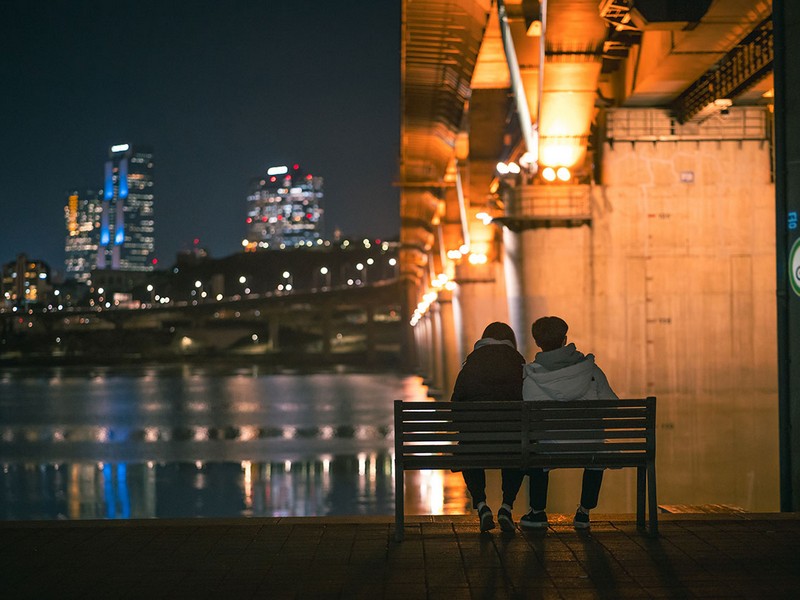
(667,14)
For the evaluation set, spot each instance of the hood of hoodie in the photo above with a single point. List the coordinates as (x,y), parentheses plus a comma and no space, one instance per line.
(562,374)
(493,342)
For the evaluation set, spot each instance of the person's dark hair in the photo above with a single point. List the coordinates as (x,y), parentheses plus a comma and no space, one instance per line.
(500,331)
(549,332)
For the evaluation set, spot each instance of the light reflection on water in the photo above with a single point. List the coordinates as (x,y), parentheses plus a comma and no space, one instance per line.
(182,441)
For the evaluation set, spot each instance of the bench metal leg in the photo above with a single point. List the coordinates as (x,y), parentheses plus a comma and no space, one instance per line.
(641,487)
(651,492)
(399,503)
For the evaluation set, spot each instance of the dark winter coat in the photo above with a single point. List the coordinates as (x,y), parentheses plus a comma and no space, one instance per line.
(491,372)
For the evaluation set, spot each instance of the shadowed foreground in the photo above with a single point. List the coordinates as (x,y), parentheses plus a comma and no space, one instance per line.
(708,556)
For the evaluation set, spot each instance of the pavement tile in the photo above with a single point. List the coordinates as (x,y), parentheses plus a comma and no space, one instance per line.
(355,558)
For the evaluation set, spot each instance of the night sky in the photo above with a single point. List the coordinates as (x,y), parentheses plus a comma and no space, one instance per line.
(220,89)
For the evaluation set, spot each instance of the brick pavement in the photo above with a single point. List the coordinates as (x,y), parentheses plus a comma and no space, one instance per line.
(696,556)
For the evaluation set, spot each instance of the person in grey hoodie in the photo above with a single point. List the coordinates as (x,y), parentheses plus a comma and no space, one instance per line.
(561,372)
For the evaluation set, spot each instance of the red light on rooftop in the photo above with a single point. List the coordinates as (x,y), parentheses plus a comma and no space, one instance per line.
(249,219)
(155,261)
(309,176)
(196,241)
(273,179)
(296,167)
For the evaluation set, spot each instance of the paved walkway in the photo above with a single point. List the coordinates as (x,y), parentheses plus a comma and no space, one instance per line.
(703,556)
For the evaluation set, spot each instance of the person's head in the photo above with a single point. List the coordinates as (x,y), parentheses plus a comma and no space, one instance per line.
(549,333)
(500,331)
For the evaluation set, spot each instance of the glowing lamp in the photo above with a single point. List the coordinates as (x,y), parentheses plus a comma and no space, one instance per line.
(549,174)
(563,174)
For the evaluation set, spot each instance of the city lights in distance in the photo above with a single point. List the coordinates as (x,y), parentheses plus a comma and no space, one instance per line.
(281,170)
(120,148)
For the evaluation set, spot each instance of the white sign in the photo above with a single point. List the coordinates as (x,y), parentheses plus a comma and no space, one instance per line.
(794,266)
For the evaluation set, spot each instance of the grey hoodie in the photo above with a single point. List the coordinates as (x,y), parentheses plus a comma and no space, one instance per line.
(565,374)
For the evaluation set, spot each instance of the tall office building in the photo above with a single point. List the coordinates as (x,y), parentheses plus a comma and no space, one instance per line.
(25,281)
(284,210)
(126,224)
(82,215)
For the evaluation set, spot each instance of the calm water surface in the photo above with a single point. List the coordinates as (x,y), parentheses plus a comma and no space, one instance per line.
(79,443)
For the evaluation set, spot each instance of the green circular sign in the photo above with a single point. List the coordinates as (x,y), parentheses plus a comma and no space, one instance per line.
(794,266)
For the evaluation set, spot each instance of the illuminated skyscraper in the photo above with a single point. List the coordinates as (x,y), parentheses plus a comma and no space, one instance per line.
(284,210)
(126,224)
(82,215)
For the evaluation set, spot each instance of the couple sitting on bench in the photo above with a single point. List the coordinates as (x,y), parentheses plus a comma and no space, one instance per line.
(496,371)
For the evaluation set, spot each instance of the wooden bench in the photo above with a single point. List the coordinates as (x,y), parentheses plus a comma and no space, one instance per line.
(528,434)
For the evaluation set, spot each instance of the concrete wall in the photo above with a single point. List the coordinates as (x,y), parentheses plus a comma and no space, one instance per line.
(672,287)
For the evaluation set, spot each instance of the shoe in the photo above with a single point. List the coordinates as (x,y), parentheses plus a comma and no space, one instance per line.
(506,520)
(534,521)
(486,517)
(581,520)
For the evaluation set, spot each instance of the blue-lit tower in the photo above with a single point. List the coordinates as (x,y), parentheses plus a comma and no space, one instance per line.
(284,210)
(126,225)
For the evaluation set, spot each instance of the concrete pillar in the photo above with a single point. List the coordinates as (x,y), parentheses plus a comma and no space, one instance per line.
(327,330)
(369,310)
(451,360)
(515,288)
(481,300)
(274,331)
(437,351)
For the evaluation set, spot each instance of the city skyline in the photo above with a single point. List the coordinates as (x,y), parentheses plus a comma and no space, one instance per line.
(220,94)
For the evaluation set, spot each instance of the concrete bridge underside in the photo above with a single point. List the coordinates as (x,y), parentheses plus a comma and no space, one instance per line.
(659,249)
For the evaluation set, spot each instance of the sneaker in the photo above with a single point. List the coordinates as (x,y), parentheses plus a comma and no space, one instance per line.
(581,520)
(486,517)
(534,520)
(506,520)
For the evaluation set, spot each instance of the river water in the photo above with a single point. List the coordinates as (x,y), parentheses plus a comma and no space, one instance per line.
(196,441)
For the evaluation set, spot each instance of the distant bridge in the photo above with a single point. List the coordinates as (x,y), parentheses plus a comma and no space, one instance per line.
(320,321)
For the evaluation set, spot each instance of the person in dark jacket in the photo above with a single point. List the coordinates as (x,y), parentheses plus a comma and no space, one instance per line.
(492,372)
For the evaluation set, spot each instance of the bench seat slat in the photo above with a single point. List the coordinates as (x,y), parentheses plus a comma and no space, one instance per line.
(508,461)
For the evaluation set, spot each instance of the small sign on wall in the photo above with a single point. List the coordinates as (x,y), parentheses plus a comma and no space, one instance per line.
(687,176)
(794,267)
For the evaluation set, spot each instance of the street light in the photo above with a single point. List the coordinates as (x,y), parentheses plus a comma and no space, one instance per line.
(325,272)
